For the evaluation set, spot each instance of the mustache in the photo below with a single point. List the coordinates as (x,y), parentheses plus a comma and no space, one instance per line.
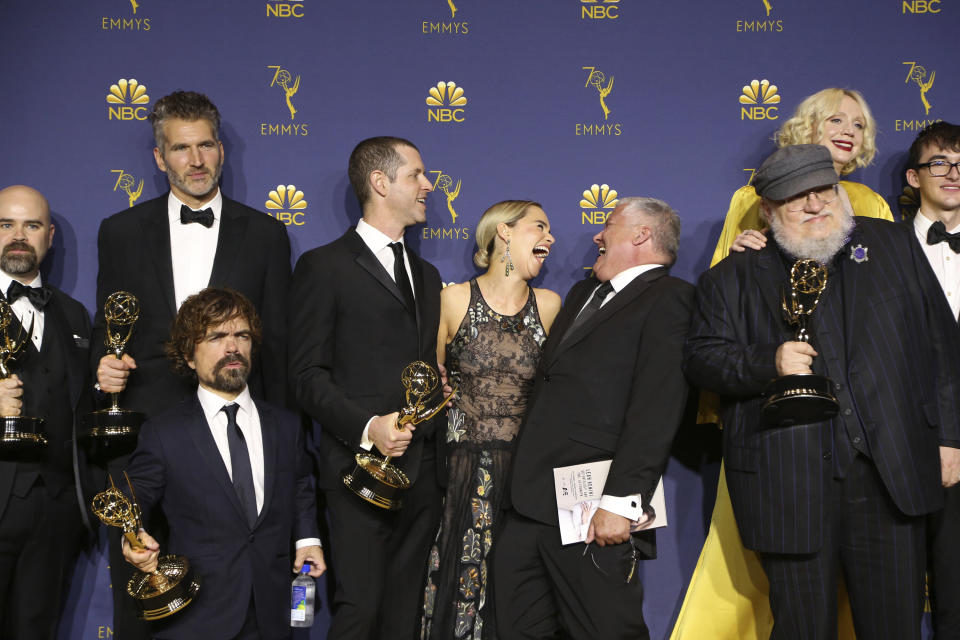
(19,245)
(230,359)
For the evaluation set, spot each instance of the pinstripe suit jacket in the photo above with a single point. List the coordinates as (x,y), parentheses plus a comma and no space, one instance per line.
(889,349)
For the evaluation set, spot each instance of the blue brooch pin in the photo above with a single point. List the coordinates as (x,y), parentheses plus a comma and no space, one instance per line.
(858,253)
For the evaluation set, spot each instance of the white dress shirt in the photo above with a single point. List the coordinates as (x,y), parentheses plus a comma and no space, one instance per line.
(379,243)
(192,248)
(945,263)
(24,309)
(629,507)
(248,420)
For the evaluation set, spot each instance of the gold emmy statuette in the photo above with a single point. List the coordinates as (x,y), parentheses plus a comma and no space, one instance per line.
(806,397)
(21,434)
(172,585)
(373,478)
(113,431)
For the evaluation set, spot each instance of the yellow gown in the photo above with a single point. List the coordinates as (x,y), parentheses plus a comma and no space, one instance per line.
(727,598)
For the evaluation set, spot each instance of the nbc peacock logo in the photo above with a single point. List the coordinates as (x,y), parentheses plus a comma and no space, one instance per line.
(596,204)
(759,100)
(287,204)
(126,99)
(445,103)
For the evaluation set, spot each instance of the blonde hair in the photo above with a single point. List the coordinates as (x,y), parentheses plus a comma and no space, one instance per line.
(806,124)
(507,212)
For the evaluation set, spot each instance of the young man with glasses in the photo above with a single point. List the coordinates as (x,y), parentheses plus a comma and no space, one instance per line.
(934,171)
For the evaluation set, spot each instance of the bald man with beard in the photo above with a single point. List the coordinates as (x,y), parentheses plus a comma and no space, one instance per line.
(42,516)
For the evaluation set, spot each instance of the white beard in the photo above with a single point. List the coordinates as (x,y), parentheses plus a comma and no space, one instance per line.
(822,249)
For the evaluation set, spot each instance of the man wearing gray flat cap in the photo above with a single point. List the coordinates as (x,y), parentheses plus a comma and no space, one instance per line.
(846,495)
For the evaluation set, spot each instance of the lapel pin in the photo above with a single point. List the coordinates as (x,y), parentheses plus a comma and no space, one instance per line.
(858,253)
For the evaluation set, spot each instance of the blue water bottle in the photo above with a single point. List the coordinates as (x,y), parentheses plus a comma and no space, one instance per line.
(303,593)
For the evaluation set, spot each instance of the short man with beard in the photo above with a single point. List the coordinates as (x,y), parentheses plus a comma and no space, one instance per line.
(167,248)
(933,169)
(232,478)
(42,511)
(847,494)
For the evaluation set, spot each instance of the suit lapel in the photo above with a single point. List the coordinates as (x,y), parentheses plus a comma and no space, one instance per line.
(568,313)
(56,327)
(156,225)
(772,279)
(371,265)
(268,433)
(206,446)
(229,243)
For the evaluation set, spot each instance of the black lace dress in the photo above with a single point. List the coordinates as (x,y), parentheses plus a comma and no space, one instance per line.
(492,359)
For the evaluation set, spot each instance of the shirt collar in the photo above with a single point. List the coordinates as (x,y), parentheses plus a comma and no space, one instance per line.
(173,206)
(6,279)
(373,237)
(922,224)
(627,276)
(211,403)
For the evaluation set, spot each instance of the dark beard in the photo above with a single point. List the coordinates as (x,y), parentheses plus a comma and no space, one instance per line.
(18,265)
(230,380)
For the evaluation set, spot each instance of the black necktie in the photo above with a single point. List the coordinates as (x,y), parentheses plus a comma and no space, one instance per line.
(938,233)
(240,463)
(400,276)
(39,297)
(599,295)
(188,215)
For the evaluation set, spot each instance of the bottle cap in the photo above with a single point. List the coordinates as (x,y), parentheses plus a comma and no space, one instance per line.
(305,568)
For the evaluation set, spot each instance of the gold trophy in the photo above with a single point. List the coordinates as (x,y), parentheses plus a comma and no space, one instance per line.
(21,434)
(171,586)
(373,478)
(113,431)
(801,398)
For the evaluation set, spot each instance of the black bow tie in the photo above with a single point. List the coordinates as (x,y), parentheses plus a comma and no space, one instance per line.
(188,215)
(938,233)
(39,297)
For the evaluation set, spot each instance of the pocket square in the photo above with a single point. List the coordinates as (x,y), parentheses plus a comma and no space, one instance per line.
(82,343)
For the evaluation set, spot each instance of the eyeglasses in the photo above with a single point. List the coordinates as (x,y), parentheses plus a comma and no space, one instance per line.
(824,196)
(939,168)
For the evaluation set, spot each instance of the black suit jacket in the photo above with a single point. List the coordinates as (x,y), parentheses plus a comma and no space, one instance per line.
(68,322)
(351,336)
(253,257)
(178,468)
(612,389)
(901,379)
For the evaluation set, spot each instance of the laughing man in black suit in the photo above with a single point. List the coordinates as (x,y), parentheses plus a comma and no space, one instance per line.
(170,247)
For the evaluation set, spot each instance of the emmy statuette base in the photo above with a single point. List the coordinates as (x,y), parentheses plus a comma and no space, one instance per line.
(110,433)
(158,596)
(379,484)
(799,399)
(21,435)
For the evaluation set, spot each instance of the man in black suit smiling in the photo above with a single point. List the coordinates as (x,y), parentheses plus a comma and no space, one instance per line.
(363,307)
(165,249)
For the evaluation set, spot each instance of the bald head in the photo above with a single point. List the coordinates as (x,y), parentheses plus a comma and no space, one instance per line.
(26,232)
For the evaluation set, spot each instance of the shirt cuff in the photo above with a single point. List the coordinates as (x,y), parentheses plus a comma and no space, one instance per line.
(629,507)
(308,542)
(365,442)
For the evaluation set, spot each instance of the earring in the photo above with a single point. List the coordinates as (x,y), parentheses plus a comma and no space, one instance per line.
(506,258)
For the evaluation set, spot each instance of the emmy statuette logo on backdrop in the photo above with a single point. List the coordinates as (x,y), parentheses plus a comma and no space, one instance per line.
(133,21)
(126,100)
(596,204)
(762,21)
(451,27)
(759,100)
(444,186)
(286,204)
(285,84)
(285,9)
(445,103)
(599,9)
(125,182)
(598,81)
(922,80)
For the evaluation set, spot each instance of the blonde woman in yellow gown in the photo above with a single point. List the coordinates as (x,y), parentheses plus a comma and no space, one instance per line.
(728,594)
